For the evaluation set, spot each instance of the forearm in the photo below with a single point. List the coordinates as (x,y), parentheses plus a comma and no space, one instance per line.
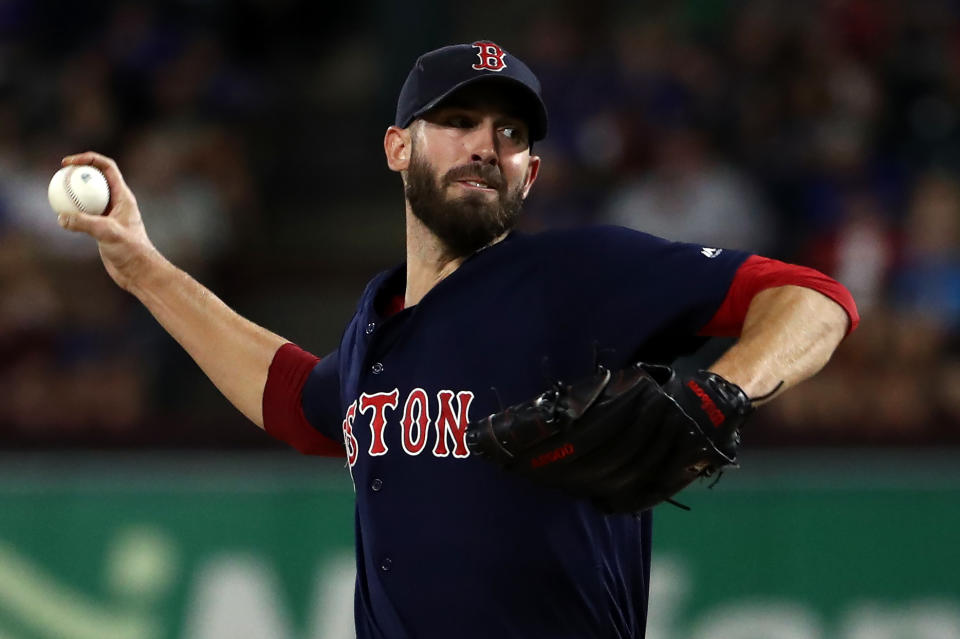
(234,352)
(789,334)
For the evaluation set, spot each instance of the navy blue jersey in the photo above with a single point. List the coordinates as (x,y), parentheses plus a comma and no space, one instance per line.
(452,546)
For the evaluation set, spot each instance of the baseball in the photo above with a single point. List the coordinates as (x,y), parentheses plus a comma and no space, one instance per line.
(79,189)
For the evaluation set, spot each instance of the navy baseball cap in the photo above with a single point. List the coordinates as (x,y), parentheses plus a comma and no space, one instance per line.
(439,73)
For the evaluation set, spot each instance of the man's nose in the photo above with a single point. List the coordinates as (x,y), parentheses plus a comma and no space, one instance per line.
(482,143)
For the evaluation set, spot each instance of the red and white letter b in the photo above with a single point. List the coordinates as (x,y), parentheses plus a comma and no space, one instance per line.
(491,57)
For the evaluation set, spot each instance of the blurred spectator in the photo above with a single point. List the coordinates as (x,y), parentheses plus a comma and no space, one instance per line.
(28,300)
(894,380)
(928,282)
(691,196)
(860,251)
(186,215)
(68,367)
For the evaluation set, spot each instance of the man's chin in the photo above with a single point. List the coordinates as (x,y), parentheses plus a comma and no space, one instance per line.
(464,218)
(464,239)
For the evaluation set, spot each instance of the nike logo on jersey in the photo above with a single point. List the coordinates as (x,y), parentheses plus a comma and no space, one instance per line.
(710,252)
(447,430)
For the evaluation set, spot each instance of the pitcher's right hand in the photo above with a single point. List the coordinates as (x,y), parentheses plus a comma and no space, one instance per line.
(125,248)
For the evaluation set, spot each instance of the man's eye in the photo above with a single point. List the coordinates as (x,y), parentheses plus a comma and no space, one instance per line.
(513,133)
(459,122)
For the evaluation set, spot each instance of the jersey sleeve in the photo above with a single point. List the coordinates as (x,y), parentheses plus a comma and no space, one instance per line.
(759,273)
(301,401)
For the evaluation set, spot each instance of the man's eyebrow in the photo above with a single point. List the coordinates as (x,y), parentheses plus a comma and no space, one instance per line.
(513,119)
(501,118)
(501,115)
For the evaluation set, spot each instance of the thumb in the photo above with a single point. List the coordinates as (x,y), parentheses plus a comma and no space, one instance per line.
(94,225)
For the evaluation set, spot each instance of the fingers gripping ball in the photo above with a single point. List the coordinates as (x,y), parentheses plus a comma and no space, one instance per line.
(627,440)
(79,189)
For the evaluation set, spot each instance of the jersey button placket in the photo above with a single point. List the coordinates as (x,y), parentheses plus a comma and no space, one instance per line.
(376,484)
(371,327)
(377,368)
(386,564)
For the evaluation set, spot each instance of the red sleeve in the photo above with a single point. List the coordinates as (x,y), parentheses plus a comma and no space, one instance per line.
(759,273)
(283,416)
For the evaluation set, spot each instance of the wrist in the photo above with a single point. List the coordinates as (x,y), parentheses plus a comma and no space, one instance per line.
(148,271)
(711,400)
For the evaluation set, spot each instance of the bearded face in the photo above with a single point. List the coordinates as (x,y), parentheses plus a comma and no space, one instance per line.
(464,221)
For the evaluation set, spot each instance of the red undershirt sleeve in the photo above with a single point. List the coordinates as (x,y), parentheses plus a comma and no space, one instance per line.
(760,273)
(283,416)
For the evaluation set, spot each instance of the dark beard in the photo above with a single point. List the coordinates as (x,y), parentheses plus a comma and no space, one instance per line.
(463,224)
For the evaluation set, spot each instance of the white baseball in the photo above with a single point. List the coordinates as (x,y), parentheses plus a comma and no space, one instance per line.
(79,189)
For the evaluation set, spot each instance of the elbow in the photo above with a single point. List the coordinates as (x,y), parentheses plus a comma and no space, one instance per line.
(839,319)
(832,326)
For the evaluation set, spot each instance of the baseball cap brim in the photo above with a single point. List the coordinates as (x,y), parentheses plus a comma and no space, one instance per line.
(530,107)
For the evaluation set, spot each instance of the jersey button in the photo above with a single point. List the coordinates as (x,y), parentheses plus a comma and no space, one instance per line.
(376,484)
(386,564)
(370,327)
(377,368)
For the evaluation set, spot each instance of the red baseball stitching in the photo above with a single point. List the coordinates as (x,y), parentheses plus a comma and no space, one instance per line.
(66,187)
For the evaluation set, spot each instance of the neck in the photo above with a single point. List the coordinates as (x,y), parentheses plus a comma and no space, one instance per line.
(428,261)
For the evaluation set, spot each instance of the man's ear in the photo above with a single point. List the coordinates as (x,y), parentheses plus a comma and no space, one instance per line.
(396,146)
(533,170)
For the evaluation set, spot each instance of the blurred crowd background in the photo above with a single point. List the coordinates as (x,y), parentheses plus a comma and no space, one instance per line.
(823,132)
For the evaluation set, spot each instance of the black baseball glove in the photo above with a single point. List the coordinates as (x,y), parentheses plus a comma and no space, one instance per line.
(628,440)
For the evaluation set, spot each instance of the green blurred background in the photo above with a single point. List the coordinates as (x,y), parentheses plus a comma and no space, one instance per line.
(799,545)
(136,503)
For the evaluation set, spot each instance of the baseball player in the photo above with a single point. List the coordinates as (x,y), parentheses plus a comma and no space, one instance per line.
(504,401)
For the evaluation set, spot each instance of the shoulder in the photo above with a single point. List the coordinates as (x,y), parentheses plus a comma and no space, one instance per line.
(590,239)
(621,256)
(610,243)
